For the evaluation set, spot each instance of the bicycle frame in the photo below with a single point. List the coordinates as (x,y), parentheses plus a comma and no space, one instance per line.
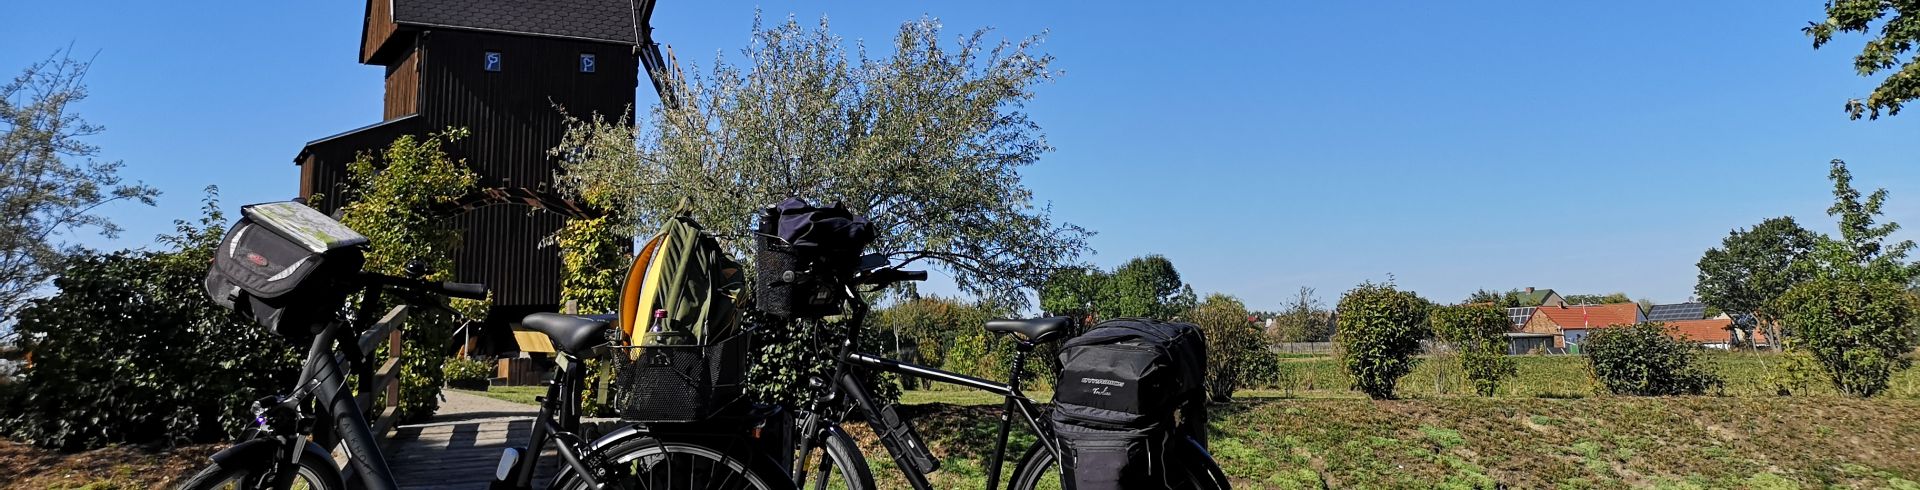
(852,383)
(559,420)
(322,382)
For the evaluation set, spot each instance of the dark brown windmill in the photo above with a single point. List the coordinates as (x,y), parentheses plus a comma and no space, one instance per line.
(497,68)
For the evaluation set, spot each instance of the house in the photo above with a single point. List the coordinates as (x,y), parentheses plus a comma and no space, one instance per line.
(498,68)
(1570,323)
(1716,333)
(1677,312)
(1531,299)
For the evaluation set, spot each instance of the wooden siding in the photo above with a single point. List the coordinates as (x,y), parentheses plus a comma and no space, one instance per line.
(403,87)
(379,27)
(513,125)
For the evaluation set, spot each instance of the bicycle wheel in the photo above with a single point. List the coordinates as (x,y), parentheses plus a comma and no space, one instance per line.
(836,464)
(1193,469)
(316,473)
(652,464)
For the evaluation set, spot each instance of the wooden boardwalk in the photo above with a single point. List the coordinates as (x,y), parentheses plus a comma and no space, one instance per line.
(460,446)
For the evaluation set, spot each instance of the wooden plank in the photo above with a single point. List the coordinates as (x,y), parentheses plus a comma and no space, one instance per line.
(384,328)
(385,424)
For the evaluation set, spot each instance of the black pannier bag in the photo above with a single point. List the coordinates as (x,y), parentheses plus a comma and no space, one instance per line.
(1128,387)
(283,264)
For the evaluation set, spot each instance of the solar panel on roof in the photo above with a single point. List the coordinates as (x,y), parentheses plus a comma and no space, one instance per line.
(1675,312)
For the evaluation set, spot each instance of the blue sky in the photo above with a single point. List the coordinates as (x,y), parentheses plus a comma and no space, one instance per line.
(1262,146)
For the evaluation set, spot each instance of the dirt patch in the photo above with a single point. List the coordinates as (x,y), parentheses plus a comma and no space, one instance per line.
(23,466)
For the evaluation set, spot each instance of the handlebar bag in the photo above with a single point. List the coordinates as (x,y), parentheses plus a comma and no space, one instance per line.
(282,266)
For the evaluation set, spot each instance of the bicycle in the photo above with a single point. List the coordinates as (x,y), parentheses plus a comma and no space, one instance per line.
(1190,466)
(707,455)
(277,452)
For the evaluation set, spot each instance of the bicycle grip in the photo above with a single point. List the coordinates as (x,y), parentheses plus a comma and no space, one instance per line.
(465,290)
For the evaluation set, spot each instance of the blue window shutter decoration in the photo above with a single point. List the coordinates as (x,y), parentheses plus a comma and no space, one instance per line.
(586,63)
(493,61)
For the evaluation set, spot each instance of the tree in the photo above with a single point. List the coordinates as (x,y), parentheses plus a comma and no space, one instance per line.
(1508,299)
(1305,319)
(130,349)
(1897,36)
(1646,360)
(1380,331)
(1147,287)
(391,200)
(1598,299)
(50,185)
(1859,331)
(1234,349)
(927,142)
(1477,333)
(1751,268)
(1860,253)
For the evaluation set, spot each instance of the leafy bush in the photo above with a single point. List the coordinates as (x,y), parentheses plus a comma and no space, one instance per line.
(1644,360)
(1234,347)
(1859,331)
(466,370)
(129,349)
(392,202)
(1478,334)
(1379,333)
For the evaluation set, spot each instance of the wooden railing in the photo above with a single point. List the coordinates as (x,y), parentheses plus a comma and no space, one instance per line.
(387,378)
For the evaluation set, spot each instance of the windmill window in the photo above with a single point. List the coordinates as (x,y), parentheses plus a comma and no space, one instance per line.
(586,63)
(492,61)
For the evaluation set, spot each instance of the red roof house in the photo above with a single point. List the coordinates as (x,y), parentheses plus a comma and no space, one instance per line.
(1570,323)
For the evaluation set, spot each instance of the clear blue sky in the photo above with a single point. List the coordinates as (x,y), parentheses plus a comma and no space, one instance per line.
(1262,146)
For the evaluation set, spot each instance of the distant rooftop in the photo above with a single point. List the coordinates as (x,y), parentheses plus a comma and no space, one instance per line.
(594,20)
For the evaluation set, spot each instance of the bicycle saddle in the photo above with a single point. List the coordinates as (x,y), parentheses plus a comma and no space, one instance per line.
(573,334)
(1035,331)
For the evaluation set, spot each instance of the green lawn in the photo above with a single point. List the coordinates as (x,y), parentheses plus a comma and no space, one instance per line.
(1551,427)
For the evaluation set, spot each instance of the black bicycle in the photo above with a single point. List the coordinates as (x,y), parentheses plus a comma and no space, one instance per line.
(280,452)
(724,453)
(840,464)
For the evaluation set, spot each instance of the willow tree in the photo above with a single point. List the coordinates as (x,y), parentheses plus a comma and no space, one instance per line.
(927,141)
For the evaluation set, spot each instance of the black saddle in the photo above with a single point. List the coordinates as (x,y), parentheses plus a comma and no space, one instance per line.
(1033,331)
(573,334)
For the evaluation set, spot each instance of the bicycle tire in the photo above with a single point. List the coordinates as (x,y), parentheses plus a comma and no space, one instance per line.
(843,458)
(1197,470)
(316,472)
(651,464)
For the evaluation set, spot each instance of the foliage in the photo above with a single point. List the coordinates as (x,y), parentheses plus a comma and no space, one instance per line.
(1861,332)
(1754,266)
(1144,287)
(1598,299)
(927,142)
(1898,33)
(1860,253)
(1795,373)
(1646,360)
(1235,349)
(49,183)
(391,200)
(1380,330)
(1478,334)
(593,262)
(1303,320)
(131,350)
(460,369)
(930,326)
(1504,299)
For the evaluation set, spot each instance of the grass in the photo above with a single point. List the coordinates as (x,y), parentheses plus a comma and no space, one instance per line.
(1550,427)
(516,394)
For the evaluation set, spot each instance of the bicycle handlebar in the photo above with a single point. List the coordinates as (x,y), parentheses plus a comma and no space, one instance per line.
(463,290)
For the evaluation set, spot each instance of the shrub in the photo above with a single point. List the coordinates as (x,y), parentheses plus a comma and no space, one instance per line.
(1478,334)
(1859,331)
(465,370)
(129,349)
(392,201)
(1644,360)
(1379,332)
(1234,344)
